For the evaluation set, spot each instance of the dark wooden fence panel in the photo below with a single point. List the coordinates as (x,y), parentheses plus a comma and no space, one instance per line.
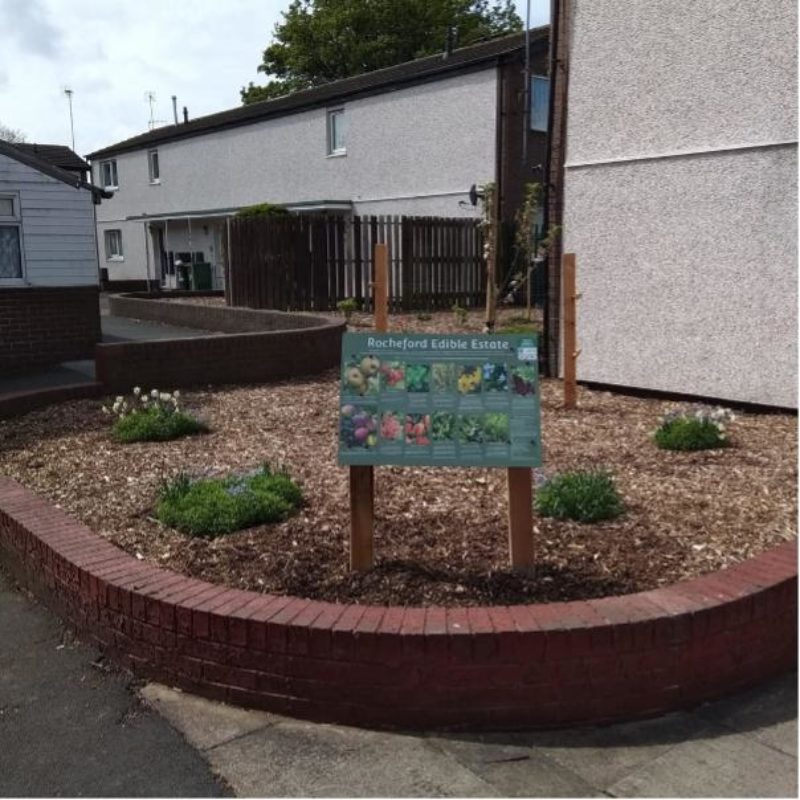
(310,263)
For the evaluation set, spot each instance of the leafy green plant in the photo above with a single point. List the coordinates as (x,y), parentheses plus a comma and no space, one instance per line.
(584,496)
(470,429)
(154,417)
(214,506)
(262,210)
(348,307)
(460,313)
(444,425)
(418,377)
(496,427)
(698,428)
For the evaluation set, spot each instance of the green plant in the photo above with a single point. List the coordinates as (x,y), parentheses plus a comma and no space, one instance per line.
(348,307)
(460,314)
(585,496)
(698,428)
(154,417)
(215,506)
(423,316)
(418,377)
(496,427)
(262,210)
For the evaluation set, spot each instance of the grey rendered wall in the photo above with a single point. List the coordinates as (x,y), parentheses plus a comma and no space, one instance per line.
(681,196)
(58,231)
(412,151)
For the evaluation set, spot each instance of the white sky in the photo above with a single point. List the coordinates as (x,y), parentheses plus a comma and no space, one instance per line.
(110,52)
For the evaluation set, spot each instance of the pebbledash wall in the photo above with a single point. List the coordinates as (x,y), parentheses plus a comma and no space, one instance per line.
(682,211)
(243,346)
(495,668)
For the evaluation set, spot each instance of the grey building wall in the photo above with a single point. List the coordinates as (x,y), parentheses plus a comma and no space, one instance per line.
(409,151)
(57,227)
(681,196)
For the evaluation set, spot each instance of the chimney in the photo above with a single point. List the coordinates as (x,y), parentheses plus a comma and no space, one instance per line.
(185,115)
(175,108)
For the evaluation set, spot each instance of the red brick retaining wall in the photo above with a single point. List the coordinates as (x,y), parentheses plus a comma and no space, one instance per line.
(13,404)
(41,325)
(257,346)
(500,667)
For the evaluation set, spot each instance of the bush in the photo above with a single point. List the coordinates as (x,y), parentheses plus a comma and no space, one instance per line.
(214,506)
(460,313)
(699,428)
(347,307)
(262,210)
(585,496)
(156,425)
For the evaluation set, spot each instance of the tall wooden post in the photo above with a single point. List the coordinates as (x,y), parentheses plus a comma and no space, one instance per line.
(520,518)
(570,333)
(362,478)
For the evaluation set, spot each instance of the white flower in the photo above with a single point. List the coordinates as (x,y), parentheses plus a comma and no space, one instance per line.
(165,397)
(119,398)
(116,406)
(154,394)
(106,410)
(176,394)
(137,390)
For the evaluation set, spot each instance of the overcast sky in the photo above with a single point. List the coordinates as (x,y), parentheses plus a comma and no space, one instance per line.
(111,52)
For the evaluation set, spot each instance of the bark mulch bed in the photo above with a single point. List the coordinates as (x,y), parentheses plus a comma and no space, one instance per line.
(441,534)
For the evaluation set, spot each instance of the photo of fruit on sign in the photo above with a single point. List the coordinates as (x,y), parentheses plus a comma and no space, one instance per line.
(418,428)
(523,380)
(358,426)
(362,375)
(393,376)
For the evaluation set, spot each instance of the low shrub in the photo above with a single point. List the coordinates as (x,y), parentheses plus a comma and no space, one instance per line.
(262,210)
(584,496)
(460,313)
(214,506)
(347,307)
(698,428)
(154,417)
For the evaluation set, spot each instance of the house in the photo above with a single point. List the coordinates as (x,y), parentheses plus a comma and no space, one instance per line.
(675,135)
(60,156)
(409,139)
(48,262)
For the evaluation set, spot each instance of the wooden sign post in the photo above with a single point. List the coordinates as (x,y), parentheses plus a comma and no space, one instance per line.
(571,351)
(362,478)
(520,518)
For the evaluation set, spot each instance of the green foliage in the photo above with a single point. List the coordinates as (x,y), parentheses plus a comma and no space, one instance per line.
(423,316)
(496,427)
(520,327)
(460,314)
(585,496)
(156,424)
(214,506)
(262,210)
(347,307)
(688,433)
(319,41)
(418,377)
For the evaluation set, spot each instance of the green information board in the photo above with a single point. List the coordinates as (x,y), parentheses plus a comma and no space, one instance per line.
(439,400)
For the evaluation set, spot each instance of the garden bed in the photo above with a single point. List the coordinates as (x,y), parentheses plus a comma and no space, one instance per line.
(441,535)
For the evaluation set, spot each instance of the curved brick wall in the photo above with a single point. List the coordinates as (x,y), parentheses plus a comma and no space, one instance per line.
(252,346)
(500,667)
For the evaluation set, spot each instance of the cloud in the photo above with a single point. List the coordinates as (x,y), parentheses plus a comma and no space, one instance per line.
(28,22)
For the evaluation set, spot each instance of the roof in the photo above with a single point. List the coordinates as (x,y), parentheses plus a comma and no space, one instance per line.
(375,82)
(58,155)
(46,168)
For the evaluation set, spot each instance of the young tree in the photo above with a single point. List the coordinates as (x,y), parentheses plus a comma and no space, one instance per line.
(11,135)
(320,41)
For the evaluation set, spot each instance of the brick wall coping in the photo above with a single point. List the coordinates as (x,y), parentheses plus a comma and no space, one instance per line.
(14,404)
(535,666)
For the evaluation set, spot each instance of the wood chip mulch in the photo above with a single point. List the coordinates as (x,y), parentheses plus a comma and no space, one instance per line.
(441,535)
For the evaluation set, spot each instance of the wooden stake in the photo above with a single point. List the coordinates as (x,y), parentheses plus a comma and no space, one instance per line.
(362,517)
(520,517)
(362,478)
(570,332)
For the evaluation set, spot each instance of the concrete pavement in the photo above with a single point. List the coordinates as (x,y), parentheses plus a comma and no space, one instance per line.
(72,726)
(745,746)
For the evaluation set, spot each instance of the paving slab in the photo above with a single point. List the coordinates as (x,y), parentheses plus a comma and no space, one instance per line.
(306,760)
(71,726)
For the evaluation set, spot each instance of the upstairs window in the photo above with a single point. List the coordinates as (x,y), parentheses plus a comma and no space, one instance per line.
(152,165)
(540,102)
(336,132)
(10,239)
(114,245)
(108,174)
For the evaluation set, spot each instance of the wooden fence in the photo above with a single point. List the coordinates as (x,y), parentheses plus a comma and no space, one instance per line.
(310,263)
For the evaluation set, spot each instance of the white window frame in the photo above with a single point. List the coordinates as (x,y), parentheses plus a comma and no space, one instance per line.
(120,256)
(111,163)
(333,114)
(14,220)
(155,179)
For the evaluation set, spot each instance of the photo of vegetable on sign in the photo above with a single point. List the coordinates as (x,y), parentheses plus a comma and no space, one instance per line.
(439,400)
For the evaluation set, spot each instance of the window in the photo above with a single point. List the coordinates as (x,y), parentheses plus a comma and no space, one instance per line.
(336,131)
(152,163)
(10,239)
(114,245)
(108,174)
(540,102)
